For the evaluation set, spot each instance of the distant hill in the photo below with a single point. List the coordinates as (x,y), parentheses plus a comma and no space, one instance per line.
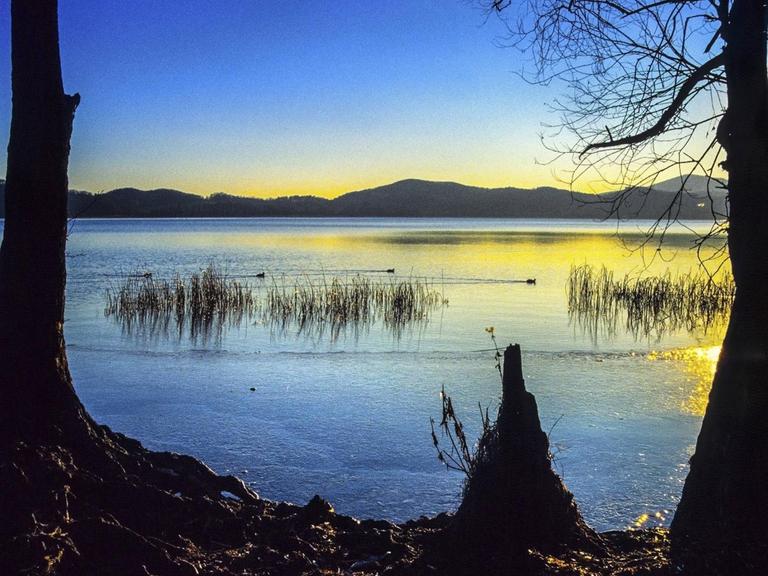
(406,198)
(694,183)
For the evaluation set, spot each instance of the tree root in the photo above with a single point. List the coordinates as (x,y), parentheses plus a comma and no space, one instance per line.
(81,501)
(135,511)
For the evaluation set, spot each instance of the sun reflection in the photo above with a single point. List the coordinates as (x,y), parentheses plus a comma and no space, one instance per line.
(645,520)
(699,364)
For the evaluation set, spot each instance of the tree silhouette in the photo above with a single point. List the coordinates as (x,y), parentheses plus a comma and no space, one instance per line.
(76,497)
(657,88)
(37,393)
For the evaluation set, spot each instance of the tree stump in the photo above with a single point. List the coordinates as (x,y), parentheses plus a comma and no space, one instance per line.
(514,501)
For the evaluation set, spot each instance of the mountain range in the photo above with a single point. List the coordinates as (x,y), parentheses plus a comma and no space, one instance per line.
(406,198)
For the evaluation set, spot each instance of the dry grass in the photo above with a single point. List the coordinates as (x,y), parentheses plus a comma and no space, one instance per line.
(203,303)
(359,301)
(650,306)
(207,301)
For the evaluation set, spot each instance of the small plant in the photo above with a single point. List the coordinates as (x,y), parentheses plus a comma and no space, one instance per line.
(492,331)
(459,455)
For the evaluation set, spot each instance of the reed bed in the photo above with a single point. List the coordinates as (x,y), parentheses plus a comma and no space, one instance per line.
(649,306)
(359,301)
(202,303)
(210,300)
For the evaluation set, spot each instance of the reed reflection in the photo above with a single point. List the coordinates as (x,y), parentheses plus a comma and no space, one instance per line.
(647,307)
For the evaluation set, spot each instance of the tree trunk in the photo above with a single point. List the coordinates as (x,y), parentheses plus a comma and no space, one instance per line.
(35,385)
(725,498)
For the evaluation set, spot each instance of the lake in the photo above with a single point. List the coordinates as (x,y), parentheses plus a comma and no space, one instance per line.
(347,415)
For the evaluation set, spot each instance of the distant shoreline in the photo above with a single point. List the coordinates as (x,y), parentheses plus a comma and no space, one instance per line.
(404,199)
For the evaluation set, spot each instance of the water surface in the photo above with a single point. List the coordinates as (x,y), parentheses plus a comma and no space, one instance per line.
(348,417)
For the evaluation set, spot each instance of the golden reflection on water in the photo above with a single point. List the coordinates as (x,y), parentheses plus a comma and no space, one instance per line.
(505,252)
(500,253)
(645,520)
(699,364)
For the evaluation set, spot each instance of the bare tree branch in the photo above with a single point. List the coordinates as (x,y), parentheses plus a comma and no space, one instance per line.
(677,103)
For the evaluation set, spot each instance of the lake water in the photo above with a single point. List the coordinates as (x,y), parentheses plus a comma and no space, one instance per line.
(347,417)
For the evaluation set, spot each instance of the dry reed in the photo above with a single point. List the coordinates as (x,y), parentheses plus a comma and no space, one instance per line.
(650,306)
(210,300)
(204,302)
(314,305)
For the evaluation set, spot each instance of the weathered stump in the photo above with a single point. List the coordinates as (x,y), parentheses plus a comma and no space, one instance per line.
(514,501)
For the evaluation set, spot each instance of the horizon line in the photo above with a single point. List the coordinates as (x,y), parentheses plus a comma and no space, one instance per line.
(256,196)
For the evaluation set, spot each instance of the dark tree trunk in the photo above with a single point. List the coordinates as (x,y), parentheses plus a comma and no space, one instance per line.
(725,499)
(35,384)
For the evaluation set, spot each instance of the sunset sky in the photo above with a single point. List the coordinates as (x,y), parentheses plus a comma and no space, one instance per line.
(267,98)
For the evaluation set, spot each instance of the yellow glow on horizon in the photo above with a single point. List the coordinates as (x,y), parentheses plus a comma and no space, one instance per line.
(334,189)
(324,185)
(329,185)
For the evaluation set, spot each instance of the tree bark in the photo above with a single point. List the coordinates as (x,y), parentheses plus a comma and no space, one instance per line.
(35,385)
(725,499)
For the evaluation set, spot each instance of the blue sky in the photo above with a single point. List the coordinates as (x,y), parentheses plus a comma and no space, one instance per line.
(267,98)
